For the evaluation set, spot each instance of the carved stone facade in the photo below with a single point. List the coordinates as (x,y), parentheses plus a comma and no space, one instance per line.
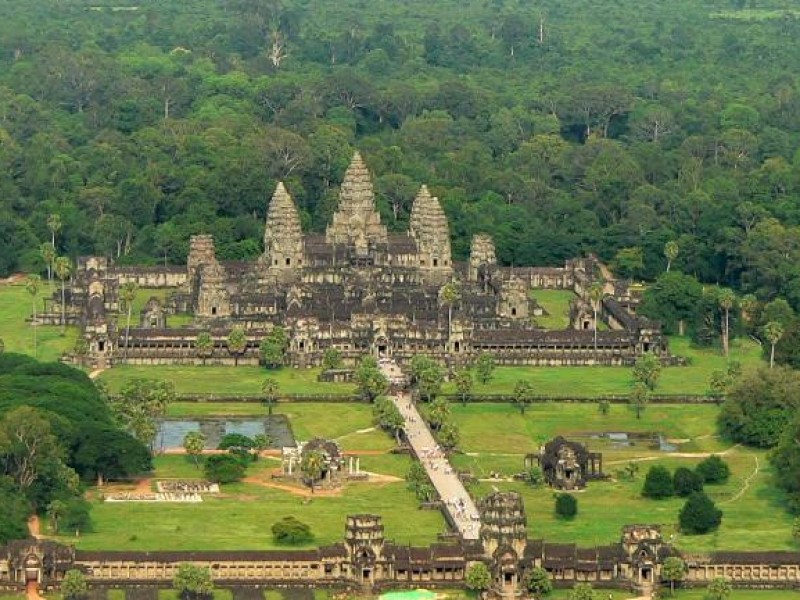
(358,289)
(367,561)
(567,465)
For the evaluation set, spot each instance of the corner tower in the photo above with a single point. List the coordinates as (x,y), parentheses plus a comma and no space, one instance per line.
(283,236)
(428,226)
(356,222)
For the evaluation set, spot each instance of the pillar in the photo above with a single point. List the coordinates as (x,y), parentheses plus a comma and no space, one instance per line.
(358,466)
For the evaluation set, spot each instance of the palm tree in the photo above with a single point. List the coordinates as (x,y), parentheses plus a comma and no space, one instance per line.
(204,344)
(128,294)
(237,343)
(54,225)
(32,284)
(48,254)
(63,267)
(749,303)
(450,294)
(270,389)
(671,252)
(726,299)
(312,466)
(596,295)
(773,331)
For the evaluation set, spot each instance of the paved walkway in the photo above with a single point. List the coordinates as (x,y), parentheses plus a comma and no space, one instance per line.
(455,499)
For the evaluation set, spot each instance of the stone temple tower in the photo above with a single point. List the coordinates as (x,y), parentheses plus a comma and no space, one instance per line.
(283,237)
(514,303)
(428,227)
(504,538)
(356,222)
(207,279)
(481,254)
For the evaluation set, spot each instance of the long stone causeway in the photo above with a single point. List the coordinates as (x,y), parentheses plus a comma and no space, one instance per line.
(456,502)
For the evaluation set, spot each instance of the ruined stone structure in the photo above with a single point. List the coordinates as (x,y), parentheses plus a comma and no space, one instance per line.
(566,465)
(357,288)
(367,561)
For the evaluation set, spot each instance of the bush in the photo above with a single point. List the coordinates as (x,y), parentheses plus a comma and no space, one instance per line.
(685,481)
(235,440)
(290,531)
(479,577)
(566,506)
(658,483)
(224,468)
(77,515)
(699,514)
(713,470)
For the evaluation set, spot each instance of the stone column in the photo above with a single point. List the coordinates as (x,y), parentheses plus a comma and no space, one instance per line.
(358,466)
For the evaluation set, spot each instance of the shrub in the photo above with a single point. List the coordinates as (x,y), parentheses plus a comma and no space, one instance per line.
(479,577)
(224,468)
(291,532)
(685,481)
(713,470)
(235,440)
(193,582)
(658,483)
(538,582)
(566,506)
(699,514)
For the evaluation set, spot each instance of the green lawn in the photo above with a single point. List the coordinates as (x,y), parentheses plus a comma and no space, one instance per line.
(241,516)
(16,305)
(596,381)
(556,304)
(699,594)
(226,380)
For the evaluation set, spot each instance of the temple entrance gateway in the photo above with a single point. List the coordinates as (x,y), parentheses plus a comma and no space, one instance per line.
(382,347)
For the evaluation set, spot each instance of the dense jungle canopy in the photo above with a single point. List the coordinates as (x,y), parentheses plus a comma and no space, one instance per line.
(558,127)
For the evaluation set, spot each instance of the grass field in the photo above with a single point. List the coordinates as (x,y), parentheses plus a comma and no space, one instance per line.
(240,518)
(594,381)
(226,380)
(16,305)
(699,594)
(556,304)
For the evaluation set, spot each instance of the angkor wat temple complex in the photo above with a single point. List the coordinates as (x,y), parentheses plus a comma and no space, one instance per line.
(357,288)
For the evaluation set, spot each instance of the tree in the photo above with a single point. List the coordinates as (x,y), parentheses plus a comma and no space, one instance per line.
(370,381)
(224,468)
(448,436)
(658,483)
(32,284)
(484,367)
(449,295)
(27,446)
(63,269)
(719,589)
(237,343)
(427,376)
(671,250)
(796,529)
(464,383)
(523,395)
(673,300)
(638,398)
(55,510)
(773,332)
(261,442)
(127,294)
(194,443)
(713,470)
(48,254)
(582,591)
(478,577)
(331,360)
(387,416)
(193,582)
(538,582)
(291,532)
(54,225)
(566,506)
(140,403)
(673,569)
(270,388)
(759,405)
(727,300)
(204,345)
(699,514)
(312,466)
(273,348)
(74,586)
(647,370)
(685,481)
(535,476)
(438,413)
(595,296)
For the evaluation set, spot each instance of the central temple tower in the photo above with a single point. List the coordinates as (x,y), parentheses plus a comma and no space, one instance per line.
(356,222)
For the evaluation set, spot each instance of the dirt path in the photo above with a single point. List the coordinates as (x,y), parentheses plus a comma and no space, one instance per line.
(674,455)
(96,373)
(746,484)
(301,492)
(32,591)
(34,526)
